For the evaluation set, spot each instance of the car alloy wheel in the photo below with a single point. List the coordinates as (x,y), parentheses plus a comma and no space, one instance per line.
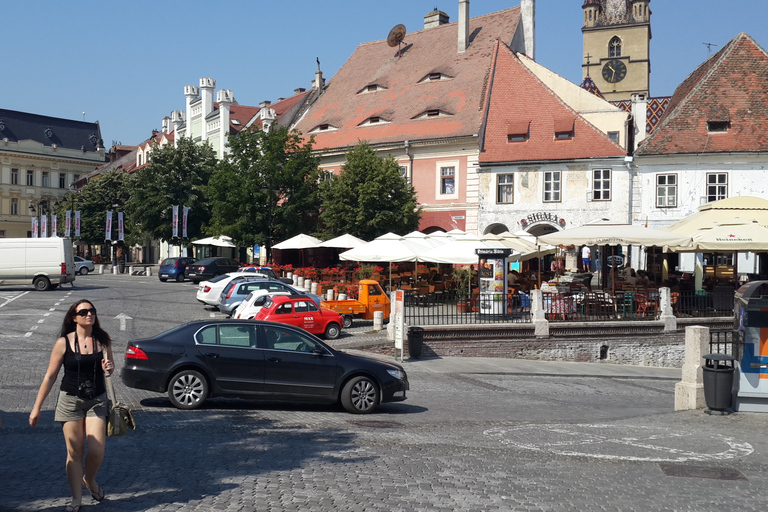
(187,389)
(83,271)
(332,331)
(360,395)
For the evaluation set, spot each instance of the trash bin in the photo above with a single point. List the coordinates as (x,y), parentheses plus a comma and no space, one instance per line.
(718,381)
(415,341)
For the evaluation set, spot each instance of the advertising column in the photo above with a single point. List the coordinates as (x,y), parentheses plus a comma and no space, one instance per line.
(492,273)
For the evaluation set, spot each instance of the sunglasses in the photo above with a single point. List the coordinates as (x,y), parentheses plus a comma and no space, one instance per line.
(84,312)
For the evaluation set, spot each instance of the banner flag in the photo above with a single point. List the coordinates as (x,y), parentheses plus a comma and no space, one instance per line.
(44,226)
(77,223)
(184,222)
(54,227)
(68,223)
(109,226)
(175,230)
(34,227)
(120,228)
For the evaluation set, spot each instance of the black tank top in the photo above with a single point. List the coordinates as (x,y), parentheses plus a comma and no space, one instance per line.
(89,369)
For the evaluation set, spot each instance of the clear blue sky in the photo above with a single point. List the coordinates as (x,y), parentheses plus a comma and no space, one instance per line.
(126,64)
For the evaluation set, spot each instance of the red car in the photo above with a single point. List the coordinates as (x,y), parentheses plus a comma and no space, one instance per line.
(301,311)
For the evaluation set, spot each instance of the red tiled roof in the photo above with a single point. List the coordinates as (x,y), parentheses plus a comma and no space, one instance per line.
(730,86)
(283,106)
(242,114)
(517,95)
(432,50)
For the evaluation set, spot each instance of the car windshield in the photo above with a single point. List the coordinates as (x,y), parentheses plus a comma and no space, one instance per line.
(168,261)
(209,261)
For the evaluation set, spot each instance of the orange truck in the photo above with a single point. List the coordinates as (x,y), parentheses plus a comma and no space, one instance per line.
(371,298)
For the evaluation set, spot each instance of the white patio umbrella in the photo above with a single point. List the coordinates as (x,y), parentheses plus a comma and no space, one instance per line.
(300,241)
(216,241)
(733,235)
(460,251)
(346,241)
(387,248)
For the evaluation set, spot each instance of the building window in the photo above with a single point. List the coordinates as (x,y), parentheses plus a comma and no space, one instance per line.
(614,47)
(404,172)
(46,179)
(326,175)
(601,185)
(30,178)
(14,206)
(447,180)
(717,186)
(551,186)
(614,136)
(564,135)
(505,190)
(14,176)
(62,180)
(666,190)
(718,126)
(75,178)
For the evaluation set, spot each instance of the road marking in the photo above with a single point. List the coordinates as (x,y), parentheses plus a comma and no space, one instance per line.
(622,442)
(27,335)
(41,320)
(123,317)
(52,309)
(12,298)
(213,315)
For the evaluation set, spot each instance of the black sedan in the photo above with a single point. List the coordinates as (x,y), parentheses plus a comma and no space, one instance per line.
(211,267)
(258,360)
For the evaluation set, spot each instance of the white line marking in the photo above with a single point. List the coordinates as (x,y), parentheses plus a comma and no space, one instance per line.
(52,309)
(27,335)
(41,320)
(12,299)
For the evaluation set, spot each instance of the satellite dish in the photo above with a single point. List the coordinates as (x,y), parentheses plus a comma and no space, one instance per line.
(396,35)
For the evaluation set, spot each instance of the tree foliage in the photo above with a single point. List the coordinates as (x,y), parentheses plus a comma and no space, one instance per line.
(369,197)
(174,176)
(93,201)
(266,190)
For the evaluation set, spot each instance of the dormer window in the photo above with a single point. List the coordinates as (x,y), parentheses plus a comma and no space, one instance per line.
(325,127)
(564,129)
(374,120)
(433,112)
(371,88)
(718,126)
(235,122)
(564,135)
(518,131)
(434,77)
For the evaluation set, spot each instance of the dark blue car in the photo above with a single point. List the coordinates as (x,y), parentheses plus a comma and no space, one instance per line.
(174,268)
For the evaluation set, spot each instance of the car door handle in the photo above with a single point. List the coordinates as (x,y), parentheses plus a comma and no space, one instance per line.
(212,354)
(273,359)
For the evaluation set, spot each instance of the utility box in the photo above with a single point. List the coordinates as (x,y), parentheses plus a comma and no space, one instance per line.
(751,319)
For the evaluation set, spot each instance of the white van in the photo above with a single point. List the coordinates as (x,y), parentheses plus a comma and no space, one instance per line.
(43,262)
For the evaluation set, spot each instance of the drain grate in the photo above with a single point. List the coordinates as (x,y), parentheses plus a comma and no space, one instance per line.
(377,424)
(702,472)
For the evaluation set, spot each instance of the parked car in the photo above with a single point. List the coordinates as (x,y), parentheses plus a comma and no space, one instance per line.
(301,311)
(253,303)
(235,292)
(257,360)
(83,266)
(174,268)
(209,292)
(267,271)
(210,267)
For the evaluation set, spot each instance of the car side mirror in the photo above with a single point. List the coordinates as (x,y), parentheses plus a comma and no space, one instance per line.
(318,351)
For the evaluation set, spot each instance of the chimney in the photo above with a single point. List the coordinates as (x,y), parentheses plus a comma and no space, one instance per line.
(319,81)
(265,104)
(463,25)
(639,115)
(528,13)
(435,19)
(299,90)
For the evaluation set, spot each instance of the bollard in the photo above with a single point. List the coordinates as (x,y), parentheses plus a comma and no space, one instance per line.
(131,270)
(148,271)
(101,269)
(342,296)
(114,269)
(313,289)
(378,320)
(300,281)
(329,295)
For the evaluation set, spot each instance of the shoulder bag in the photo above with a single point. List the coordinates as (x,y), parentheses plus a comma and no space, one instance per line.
(120,418)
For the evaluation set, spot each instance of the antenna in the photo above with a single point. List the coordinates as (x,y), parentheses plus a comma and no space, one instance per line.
(396,36)
(709,48)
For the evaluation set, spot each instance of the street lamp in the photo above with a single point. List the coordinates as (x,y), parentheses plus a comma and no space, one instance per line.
(43,206)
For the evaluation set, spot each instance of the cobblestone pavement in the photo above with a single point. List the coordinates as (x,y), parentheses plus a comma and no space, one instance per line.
(474,435)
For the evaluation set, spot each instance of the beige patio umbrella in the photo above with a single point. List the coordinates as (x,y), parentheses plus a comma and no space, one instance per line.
(746,208)
(734,235)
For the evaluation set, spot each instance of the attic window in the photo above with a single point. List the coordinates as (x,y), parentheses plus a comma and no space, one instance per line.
(517,137)
(434,77)
(518,131)
(564,129)
(564,135)
(235,122)
(371,88)
(433,112)
(322,128)
(373,120)
(718,126)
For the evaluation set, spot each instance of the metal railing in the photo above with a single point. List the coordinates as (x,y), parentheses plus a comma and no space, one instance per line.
(726,341)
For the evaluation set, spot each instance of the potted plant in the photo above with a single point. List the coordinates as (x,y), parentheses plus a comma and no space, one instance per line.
(462,278)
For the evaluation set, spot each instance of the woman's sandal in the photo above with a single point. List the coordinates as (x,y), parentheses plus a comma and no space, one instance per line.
(70,508)
(98,495)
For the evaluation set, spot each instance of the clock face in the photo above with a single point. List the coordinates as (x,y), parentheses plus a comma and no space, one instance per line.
(614,71)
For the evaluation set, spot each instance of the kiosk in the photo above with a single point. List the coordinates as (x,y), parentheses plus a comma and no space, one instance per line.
(492,276)
(751,313)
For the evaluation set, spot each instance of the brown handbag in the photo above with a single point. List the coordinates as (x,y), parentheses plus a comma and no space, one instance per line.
(120,418)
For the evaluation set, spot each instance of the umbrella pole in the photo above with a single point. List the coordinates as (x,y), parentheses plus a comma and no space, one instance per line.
(538,255)
(613,272)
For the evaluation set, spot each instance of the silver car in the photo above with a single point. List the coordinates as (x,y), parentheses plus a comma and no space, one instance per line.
(236,292)
(83,266)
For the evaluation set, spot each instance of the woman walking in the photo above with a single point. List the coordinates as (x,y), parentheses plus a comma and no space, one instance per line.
(84,349)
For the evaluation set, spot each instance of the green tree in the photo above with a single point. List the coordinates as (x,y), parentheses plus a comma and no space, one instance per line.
(266,190)
(174,176)
(369,197)
(93,201)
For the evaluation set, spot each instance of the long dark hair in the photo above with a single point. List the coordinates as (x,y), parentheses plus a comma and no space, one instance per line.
(69,325)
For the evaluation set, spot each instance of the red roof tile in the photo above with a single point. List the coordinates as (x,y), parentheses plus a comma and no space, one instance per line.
(404,97)
(517,95)
(730,86)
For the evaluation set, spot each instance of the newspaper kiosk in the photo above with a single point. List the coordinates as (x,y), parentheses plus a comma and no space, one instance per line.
(751,311)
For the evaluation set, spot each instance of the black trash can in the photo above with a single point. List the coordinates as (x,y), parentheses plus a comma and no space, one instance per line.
(415,341)
(718,373)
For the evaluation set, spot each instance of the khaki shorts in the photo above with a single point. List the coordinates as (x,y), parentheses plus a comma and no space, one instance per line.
(73,408)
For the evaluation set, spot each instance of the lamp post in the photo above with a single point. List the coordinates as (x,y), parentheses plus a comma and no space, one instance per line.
(43,206)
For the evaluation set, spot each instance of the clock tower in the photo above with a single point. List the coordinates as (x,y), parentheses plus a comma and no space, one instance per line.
(617,36)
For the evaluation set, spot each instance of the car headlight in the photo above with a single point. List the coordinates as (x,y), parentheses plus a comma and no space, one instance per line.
(398,374)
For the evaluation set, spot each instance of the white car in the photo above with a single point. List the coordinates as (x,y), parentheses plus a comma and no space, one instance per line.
(253,303)
(83,266)
(209,292)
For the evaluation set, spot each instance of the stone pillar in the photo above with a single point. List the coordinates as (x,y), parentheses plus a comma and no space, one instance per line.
(689,392)
(378,320)
(539,319)
(665,307)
